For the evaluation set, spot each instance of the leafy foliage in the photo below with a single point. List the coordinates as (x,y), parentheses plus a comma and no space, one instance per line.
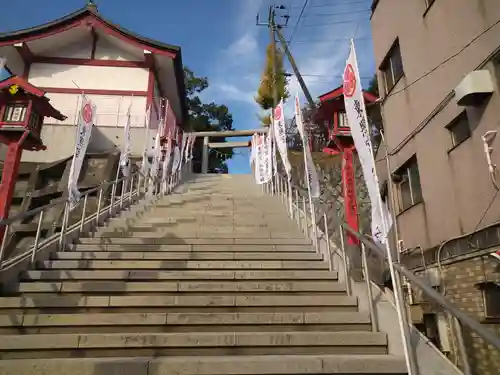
(264,96)
(373,86)
(206,117)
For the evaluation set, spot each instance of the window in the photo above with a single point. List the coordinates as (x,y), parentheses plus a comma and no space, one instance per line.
(392,67)
(491,298)
(407,179)
(459,129)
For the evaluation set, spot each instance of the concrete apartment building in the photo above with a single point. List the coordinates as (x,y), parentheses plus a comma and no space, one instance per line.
(439,75)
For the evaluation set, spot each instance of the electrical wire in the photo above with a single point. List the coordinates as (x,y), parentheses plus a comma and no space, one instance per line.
(313,41)
(298,21)
(334,23)
(337,13)
(335,5)
(444,61)
(444,102)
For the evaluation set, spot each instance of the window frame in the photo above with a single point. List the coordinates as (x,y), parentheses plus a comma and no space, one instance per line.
(461,118)
(387,65)
(485,287)
(407,178)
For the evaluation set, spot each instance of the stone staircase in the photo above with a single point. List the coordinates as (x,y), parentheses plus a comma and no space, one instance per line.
(214,279)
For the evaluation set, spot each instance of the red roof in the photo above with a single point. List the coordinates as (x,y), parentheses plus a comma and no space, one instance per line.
(339,91)
(89,16)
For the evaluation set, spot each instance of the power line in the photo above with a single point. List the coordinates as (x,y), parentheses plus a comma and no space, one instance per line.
(334,23)
(337,13)
(444,61)
(422,124)
(335,5)
(298,20)
(332,40)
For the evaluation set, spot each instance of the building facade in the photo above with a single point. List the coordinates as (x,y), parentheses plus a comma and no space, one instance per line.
(439,76)
(117,69)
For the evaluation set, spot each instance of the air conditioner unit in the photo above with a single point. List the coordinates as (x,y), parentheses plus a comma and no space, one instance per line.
(474,88)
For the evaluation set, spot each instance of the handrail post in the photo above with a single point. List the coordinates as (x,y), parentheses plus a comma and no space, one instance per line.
(113,195)
(84,209)
(306,223)
(122,193)
(37,237)
(99,203)
(347,273)
(328,247)
(131,189)
(371,306)
(296,213)
(4,241)
(63,227)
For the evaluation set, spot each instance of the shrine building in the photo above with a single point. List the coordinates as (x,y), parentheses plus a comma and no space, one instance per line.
(117,69)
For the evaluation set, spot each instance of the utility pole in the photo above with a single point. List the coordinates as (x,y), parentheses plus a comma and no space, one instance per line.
(271,24)
(272,29)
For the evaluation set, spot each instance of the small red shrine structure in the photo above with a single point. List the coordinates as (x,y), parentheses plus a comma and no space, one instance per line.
(23,108)
(332,114)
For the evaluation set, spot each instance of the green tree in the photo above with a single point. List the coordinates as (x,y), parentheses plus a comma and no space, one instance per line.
(206,117)
(264,96)
(373,85)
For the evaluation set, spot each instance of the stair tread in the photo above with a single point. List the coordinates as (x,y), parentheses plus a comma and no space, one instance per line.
(181,274)
(180,286)
(214,365)
(195,318)
(197,339)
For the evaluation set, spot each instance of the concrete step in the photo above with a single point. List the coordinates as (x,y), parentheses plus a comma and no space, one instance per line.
(240,286)
(183,322)
(194,241)
(139,255)
(123,248)
(268,302)
(213,365)
(201,343)
(184,264)
(176,275)
(181,234)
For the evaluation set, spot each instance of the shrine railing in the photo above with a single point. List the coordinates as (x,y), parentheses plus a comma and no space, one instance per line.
(112,198)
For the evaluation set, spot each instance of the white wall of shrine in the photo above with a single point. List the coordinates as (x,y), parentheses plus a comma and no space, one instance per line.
(89,77)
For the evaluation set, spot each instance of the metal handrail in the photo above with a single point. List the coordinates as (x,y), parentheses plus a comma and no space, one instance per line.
(55,202)
(430,292)
(127,194)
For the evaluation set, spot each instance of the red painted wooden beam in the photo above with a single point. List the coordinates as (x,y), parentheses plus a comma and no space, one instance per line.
(89,62)
(95,38)
(150,61)
(67,90)
(24,51)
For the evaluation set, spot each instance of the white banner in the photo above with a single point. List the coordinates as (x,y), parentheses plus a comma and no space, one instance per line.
(189,138)
(262,160)
(253,150)
(272,150)
(191,147)
(309,167)
(125,153)
(177,159)
(84,130)
(156,154)
(279,128)
(166,162)
(360,130)
(183,150)
(145,167)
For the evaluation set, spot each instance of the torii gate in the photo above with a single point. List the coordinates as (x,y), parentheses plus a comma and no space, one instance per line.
(226,134)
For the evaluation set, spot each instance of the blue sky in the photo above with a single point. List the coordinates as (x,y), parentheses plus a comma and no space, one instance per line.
(220,40)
